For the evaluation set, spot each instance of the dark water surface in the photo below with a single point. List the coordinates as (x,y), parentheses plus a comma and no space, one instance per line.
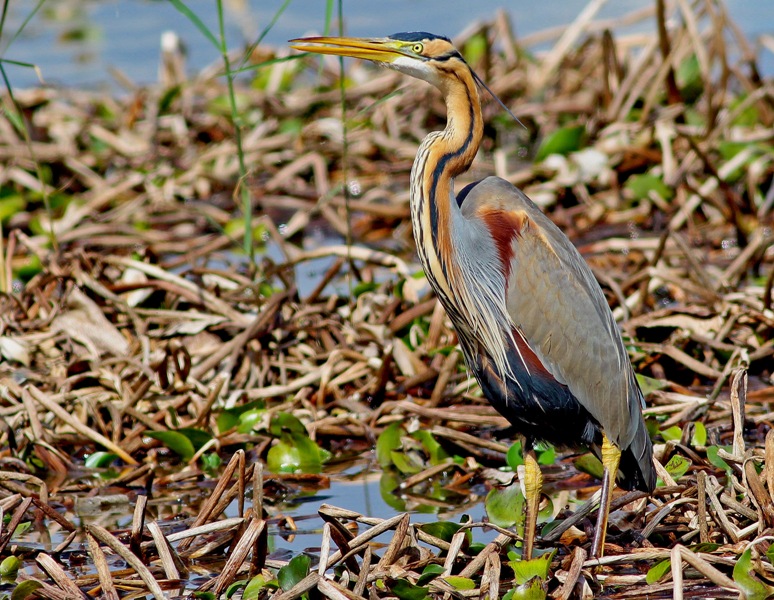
(76,42)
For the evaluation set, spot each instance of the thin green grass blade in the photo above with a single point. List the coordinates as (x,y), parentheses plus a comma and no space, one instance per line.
(199,24)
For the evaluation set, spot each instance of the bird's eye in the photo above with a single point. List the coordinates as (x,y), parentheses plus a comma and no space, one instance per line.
(417,48)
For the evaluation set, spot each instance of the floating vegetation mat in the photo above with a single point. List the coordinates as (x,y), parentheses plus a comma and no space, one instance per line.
(148,360)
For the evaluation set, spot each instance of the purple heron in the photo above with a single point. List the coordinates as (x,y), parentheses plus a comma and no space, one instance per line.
(532,321)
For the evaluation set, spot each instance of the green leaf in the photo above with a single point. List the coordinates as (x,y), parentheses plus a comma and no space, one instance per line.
(10,566)
(388,483)
(752,587)
(248,420)
(524,570)
(204,595)
(460,583)
(715,460)
(294,571)
(405,463)
(677,466)
(561,141)
(99,460)
(505,506)
(388,441)
(546,454)
(234,587)
(295,453)
(657,571)
(588,463)
(443,530)
(673,434)
(650,384)
(211,462)
(198,23)
(515,456)
(699,436)
(641,186)
(232,417)
(532,590)
(436,452)
(175,441)
(25,589)
(429,573)
(256,585)
(286,423)
(10,206)
(408,591)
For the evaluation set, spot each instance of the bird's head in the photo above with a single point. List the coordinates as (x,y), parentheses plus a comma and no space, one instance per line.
(426,56)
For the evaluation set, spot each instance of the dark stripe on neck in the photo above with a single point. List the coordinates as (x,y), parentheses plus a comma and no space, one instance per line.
(440,167)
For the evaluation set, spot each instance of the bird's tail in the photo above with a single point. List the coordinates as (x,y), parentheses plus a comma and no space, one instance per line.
(636,471)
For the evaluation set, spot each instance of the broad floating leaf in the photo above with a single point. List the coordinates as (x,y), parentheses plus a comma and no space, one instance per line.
(699,436)
(752,587)
(641,186)
(525,570)
(562,141)
(10,566)
(408,591)
(590,464)
(505,506)
(387,442)
(677,466)
(294,571)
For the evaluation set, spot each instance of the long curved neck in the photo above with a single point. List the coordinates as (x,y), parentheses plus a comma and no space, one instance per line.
(442,156)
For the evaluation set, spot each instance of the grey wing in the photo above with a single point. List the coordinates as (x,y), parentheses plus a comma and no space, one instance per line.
(557,304)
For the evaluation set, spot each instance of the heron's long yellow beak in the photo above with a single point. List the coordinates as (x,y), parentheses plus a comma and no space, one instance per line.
(378,49)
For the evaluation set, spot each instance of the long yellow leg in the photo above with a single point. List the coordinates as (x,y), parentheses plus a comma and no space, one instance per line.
(533,485)
(611,457)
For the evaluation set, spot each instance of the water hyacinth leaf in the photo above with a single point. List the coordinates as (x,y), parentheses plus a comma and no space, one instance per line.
(10,566)
(546,454)
(699,436)
(429,573)
(677,466)
(232,417)
(406,463)
(388,483)
(443,530)
(179,443)
(26,589)
(286,423)
(752,588)
(532,590)
(294,571)
(387,442)
(295,453)
(672,434)
(256,586)
(430,444)
(643,185)
(590,464)
(525,570)
(505,506)
(235,587)
(460,583)
(515,456)
(657,571)
(715,460)
(248,420)
(650,384)
(408,591)
(562,141)
(100,460)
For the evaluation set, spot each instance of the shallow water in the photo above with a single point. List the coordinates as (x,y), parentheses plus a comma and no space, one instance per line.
(76,42)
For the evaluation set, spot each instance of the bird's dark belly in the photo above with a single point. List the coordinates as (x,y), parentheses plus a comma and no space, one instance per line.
(538,407)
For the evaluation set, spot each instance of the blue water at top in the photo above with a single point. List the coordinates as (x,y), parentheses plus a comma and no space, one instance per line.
(76,43)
